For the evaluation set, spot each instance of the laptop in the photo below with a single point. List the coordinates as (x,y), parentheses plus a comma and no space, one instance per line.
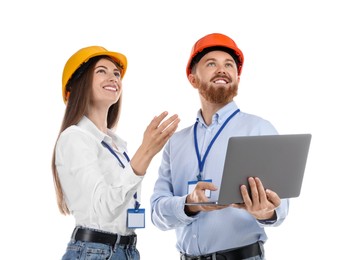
(278,160)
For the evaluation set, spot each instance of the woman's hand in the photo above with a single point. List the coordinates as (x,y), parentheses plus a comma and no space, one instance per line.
(155,137)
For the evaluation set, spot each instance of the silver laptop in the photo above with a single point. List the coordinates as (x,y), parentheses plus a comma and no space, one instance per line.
(278,160)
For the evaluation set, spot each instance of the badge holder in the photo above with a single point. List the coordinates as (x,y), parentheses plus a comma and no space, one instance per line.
(136,216)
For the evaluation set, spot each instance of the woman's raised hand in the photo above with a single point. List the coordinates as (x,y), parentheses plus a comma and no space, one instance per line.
(155,137)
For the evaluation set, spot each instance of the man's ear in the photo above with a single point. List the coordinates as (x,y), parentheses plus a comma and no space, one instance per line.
(192,79)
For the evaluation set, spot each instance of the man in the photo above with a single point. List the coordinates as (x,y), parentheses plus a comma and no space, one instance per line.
(193,160)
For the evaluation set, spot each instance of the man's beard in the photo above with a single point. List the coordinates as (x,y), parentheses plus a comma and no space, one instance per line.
(218,95)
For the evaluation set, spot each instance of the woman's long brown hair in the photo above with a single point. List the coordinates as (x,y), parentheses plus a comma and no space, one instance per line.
(80,88)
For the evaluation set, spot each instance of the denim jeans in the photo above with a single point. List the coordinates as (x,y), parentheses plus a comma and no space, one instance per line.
(78,250)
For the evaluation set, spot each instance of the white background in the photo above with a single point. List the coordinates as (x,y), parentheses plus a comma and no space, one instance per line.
(295,75)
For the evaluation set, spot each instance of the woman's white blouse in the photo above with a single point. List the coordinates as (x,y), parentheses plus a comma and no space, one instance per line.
(97,189)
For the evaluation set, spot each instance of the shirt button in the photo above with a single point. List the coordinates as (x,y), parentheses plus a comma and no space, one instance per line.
(194,236)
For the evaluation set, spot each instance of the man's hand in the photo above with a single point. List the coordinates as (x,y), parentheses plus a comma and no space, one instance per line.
(262,203)
(198,195)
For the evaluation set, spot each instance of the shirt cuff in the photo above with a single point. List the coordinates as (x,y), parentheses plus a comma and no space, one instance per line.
(180,206)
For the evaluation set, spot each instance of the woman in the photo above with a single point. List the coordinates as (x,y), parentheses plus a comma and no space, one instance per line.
(95,180)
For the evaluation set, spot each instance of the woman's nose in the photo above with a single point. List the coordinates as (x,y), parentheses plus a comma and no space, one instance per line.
(114,77)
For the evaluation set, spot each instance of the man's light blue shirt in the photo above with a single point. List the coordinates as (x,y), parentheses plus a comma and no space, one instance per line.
(213,231)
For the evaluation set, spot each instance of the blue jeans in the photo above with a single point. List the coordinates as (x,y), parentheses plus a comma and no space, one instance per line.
(78,250)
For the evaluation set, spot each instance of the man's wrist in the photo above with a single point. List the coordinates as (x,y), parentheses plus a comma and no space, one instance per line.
(270,220)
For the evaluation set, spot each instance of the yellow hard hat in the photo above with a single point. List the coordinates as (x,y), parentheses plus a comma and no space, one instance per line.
(82,56)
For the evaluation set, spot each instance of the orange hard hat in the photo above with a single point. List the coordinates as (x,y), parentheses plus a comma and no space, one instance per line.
(82,56)
(215,41)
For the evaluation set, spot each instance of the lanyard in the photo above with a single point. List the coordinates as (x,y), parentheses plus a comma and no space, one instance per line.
(202,161)
(114,154)
(135,196)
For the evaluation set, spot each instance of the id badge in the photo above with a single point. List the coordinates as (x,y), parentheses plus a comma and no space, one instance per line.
(136,218)
(191,185)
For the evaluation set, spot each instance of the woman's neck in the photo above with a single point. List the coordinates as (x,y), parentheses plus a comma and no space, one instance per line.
(99,118)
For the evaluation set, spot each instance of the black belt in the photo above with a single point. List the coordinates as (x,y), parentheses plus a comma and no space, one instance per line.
(88,235)
(233,254)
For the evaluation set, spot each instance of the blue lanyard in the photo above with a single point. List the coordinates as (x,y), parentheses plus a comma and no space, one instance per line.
(135,196)
(114,154)
(200,161)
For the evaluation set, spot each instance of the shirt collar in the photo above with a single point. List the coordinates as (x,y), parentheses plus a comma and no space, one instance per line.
(86,124)
(221,115)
